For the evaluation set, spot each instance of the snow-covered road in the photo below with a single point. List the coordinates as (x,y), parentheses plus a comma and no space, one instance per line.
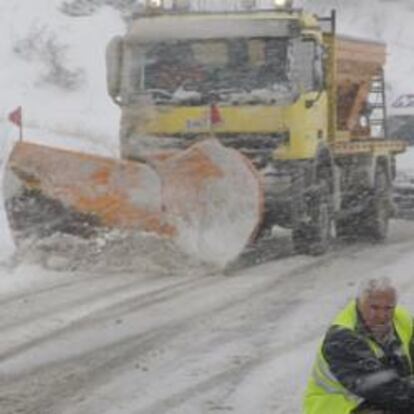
(152,343)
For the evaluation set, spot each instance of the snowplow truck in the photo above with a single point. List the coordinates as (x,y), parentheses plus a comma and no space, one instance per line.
(231,124)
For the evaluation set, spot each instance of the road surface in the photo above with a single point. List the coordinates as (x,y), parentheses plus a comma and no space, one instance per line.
(178,340)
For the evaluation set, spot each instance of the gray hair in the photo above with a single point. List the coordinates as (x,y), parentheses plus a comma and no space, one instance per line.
(374,285)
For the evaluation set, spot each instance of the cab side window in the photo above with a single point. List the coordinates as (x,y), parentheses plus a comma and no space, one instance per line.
(308,65)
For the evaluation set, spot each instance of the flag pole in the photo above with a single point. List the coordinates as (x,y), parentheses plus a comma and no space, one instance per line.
(16,118)
(21,127)
(215,118)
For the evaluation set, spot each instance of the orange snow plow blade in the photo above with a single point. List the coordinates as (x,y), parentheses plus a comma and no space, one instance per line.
(204,198)
(89,184)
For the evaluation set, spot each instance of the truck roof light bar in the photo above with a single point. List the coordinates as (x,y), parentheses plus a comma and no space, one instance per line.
(283,4)
(154,4)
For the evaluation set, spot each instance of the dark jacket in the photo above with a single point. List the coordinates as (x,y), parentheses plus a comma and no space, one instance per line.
(385,383)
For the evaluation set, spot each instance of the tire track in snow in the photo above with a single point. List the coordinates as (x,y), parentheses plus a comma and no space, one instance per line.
(56,387)
(129,306)
(93,314)
(134,346)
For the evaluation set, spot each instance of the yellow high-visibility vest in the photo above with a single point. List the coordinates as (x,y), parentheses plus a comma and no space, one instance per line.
(324,393)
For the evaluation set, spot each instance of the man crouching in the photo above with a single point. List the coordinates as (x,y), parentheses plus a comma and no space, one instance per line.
(365,362)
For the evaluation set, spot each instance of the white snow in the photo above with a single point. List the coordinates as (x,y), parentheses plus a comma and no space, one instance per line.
(155,336)
(84,113)
(77,342)
(406,162)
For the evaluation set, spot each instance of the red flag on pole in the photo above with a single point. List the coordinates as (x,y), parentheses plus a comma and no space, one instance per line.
(16,116)
(17,119)
(215,116)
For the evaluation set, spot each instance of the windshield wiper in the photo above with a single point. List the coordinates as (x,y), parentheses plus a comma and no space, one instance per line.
(275,94)
(158,95)
(182,95)
(229,95)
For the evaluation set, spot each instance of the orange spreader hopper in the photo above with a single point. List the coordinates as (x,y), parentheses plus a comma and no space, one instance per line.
(208,199)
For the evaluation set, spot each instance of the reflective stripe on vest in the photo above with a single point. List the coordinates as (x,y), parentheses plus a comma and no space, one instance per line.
(324,378)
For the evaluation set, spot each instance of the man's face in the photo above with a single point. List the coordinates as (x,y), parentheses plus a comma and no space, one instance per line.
(377,310)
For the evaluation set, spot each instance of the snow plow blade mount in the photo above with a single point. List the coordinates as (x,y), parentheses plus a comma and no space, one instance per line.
(208,199)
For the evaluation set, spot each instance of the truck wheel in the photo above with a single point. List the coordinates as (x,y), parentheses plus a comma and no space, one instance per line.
(348,228)
(372,222)
(321,222)
(315,236)
(301,240)
(379,212)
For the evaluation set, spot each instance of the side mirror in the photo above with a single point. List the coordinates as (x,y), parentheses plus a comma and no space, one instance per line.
(309,103)
(114,55)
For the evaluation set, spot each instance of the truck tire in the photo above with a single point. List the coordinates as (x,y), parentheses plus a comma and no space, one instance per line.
(379,210)
(347,228)
(300,240)
(372,222)
(314,237)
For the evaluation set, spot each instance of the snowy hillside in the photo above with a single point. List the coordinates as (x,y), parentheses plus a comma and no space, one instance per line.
(54,54)
(55,68)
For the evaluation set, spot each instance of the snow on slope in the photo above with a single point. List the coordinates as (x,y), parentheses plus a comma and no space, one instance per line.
(82,118)
(85,112)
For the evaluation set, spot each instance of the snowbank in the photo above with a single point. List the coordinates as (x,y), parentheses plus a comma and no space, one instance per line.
(37,42)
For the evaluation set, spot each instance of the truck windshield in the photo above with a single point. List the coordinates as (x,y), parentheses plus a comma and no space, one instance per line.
(213,65)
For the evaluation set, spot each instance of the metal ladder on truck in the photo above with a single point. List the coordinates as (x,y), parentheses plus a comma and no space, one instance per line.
(377,119)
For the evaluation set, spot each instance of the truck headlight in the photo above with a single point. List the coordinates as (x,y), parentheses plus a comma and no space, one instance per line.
(156,4)
(282,4)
